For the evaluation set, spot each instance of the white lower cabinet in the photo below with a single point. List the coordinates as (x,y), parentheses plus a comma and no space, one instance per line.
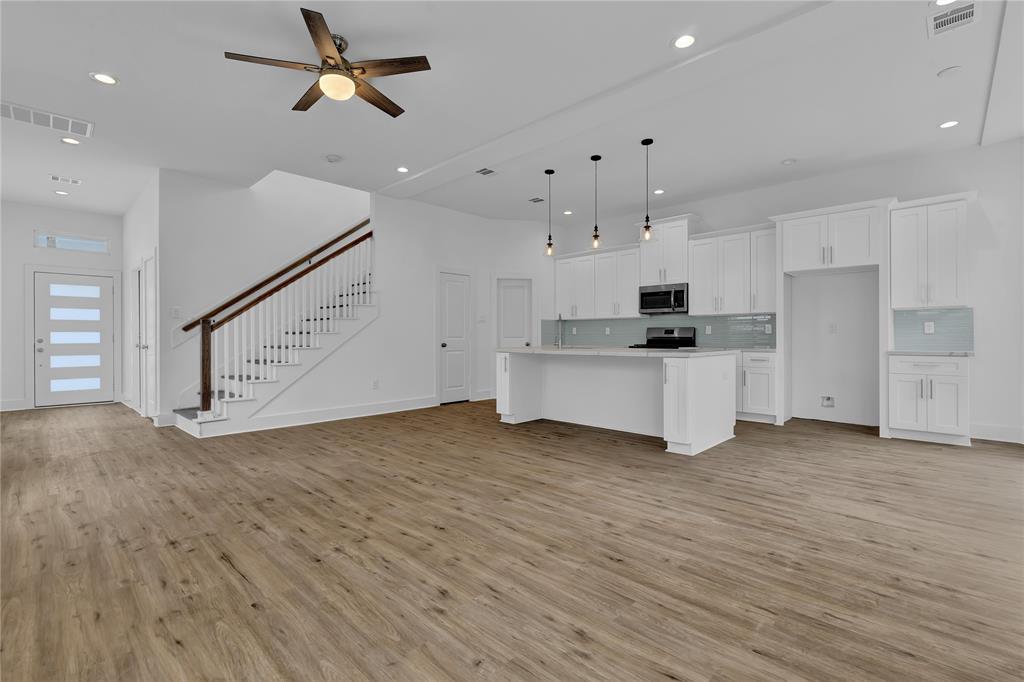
(502,384)
(757,383)
(675,412)
(930,395)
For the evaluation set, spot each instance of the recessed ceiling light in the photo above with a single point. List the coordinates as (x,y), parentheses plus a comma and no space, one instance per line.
(659,191)
(104,78)
(60,193)
(943,3)
(787,162)
(70,140)
(949,124)
(685,41)
(402,169)
(333,158)
(566,212)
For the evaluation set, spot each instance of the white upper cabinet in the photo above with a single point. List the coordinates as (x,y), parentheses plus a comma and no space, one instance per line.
(617,284)
(703,289)
(928,254)
(600,285)
(831,240)
(663,258)
(804,243)
(853,238)
(762,271)
(734,274)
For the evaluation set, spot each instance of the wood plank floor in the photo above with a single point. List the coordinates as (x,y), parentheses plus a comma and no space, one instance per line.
(440,544)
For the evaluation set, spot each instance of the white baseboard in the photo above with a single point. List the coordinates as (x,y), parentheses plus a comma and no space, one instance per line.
(1007,434)
(12,405)
(165,419)
(277,421)
(483,395)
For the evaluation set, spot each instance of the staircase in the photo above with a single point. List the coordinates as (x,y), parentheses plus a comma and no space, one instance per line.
(261,341)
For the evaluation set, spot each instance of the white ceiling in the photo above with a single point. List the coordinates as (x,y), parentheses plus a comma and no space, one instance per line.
(516,86)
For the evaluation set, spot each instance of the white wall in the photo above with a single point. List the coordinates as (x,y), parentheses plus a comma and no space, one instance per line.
(834,321)
(216,239)
(995,244)
(413,241)
(18,222)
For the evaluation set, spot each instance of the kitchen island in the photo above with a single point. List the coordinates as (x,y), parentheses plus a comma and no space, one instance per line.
(686,397)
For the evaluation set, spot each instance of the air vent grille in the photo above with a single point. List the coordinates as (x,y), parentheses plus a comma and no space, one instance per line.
(485,171)
(46,119)
(64,180)
(951,19)
(536,200)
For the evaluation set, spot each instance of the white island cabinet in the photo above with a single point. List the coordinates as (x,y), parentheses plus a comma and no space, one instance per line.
(687,398)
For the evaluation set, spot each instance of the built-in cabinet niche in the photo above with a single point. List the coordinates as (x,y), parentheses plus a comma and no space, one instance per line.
(928,252)
(599,285)
(733,274)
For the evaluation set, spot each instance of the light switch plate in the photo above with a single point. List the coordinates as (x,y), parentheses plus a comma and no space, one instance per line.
(768,328)
(828,401)
(607,331)
(574,330)
(707,329)
(929,327)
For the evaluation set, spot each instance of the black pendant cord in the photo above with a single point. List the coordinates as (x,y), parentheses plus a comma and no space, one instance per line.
(549,172)
(595,159)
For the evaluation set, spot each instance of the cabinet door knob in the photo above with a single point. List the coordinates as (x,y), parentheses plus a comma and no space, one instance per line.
(444,345)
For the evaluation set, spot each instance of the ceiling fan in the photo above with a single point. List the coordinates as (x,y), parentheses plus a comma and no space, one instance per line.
(339,78)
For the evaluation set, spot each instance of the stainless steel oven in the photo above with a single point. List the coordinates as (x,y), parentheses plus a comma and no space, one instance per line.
(664,298)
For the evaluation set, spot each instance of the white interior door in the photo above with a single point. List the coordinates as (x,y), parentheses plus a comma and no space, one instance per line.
(453,361)
(132,377)
(74,339)
(148,338)
(514,313)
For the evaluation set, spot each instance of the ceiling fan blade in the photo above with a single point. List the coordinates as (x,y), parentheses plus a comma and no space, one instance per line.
(389,67)
(377,98)
(321,36)
(310,98)
(271,62)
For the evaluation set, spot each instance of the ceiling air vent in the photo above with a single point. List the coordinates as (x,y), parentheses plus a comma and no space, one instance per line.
(943,22)
(536,200)
(46,119)
(484,171)
(66,180)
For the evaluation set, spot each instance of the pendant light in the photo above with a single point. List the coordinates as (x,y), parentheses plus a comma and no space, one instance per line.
(647,142)
(597,237)
(550,250)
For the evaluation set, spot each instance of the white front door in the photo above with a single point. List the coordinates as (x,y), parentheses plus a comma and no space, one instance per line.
(453,361)
(73,346)
(514,328)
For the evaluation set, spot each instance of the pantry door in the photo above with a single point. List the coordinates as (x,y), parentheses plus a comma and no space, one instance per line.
(73,345)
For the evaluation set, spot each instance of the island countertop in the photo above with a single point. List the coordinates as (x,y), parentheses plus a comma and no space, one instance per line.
(617,352)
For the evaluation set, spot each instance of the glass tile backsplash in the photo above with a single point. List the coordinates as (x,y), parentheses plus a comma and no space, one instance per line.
(954,330)
(733,331)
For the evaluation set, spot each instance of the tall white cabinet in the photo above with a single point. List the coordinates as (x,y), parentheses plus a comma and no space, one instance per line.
(733,274)
(663,257)
(928,252)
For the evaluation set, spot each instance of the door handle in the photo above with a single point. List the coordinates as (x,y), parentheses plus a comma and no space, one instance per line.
(744,377)
(506,364)
(444,345)
(823,255)
(144,347)
(831,255)
(931,389)
(922,388)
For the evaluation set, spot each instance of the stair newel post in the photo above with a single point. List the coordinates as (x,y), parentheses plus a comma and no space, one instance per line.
(205,370)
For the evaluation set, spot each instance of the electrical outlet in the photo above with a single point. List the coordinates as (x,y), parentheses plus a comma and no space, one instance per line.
(833,327)
(707,329)
(607,331)
(768,328)
(574,331)
(376,384)
(929,327)
(828,401)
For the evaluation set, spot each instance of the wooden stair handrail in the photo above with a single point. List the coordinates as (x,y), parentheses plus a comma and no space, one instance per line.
(297,276)
(267,280)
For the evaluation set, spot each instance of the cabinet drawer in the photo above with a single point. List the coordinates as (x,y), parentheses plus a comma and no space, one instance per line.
(928,364)
(758,359)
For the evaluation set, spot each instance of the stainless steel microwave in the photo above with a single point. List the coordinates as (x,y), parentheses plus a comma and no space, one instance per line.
(664,298)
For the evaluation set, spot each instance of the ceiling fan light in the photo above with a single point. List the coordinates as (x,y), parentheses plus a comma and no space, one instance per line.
(336,84)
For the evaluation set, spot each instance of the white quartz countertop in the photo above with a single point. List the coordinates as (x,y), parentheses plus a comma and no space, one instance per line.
(617,352)
(936,353)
